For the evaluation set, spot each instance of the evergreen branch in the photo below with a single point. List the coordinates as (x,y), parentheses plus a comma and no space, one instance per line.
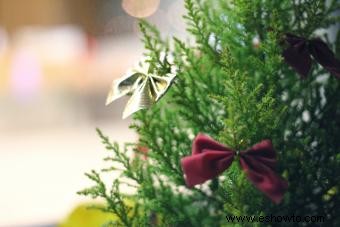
(115,203)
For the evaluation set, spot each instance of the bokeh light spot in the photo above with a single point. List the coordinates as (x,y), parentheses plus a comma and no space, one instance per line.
(140,8)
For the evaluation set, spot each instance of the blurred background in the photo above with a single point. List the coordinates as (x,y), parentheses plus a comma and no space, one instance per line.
(57,61)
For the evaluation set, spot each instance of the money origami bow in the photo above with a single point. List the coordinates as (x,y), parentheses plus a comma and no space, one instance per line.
(146,89)
(210,159)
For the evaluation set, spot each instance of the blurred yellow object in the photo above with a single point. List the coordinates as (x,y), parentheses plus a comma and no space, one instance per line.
(84,216)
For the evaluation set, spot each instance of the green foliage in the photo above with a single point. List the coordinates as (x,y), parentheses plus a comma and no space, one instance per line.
(238,93)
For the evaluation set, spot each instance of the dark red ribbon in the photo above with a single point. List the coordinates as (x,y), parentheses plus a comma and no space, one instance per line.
(210,158)
(299,52)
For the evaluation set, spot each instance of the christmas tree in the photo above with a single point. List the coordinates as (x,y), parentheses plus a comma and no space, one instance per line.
(240,83)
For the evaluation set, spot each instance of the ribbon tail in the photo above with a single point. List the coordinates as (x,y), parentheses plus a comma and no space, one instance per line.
(325,57)
(272,185)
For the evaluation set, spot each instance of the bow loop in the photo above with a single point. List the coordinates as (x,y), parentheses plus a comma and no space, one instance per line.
(263,152)
(202,142)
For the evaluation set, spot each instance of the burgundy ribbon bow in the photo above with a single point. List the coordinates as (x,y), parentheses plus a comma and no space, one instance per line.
(210,158)
(298,55)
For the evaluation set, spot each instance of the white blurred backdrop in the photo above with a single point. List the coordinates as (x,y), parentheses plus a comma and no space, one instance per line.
(57,61)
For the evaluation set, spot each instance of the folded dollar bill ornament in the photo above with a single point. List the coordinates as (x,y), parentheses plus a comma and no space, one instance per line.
(145,89)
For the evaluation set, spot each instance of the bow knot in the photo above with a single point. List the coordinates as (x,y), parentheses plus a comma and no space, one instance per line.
(210,158)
